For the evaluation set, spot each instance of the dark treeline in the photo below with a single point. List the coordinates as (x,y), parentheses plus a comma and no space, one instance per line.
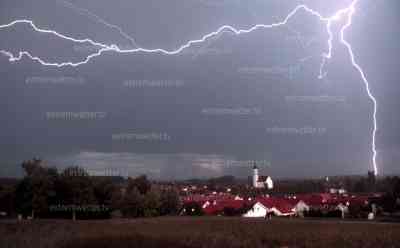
(354,184)
(45,192)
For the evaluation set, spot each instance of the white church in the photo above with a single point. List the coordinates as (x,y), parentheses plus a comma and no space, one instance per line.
(260,182)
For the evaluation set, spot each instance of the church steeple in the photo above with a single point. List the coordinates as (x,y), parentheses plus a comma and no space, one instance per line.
(255,175)
(255,166)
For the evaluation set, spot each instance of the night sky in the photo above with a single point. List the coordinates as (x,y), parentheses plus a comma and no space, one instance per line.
(213,108)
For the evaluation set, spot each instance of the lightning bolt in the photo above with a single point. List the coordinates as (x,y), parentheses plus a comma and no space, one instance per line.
(113,47)
(351,11)
(348,12)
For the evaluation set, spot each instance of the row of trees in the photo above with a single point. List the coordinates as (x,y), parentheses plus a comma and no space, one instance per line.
(45,189)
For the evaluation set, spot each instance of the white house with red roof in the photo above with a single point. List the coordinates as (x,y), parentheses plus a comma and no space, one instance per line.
(276,206)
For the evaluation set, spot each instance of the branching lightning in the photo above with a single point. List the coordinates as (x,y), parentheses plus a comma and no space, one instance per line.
(347,13)
(100,20)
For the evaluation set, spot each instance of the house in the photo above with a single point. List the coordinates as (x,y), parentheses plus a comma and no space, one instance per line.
(343,208)
(300,208)
(316,201)
(275,206)
(340,191)
(257,211)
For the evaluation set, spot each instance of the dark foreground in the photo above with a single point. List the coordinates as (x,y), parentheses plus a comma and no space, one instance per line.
(198,232)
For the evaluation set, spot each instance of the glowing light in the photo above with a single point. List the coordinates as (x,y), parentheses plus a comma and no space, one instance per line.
(347,13)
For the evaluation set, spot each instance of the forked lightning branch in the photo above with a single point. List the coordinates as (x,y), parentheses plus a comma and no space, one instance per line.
(342,15)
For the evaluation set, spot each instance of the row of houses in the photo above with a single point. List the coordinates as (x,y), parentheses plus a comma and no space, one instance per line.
(293,205)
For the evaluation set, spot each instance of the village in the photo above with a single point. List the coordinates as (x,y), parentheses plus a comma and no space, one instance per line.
(260,201)
(224,211)
(75,194)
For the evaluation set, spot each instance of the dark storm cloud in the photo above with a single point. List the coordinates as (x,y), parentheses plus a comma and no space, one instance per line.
(233,98)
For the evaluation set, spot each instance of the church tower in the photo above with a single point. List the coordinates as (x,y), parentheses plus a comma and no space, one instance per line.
(255,176)
(261,182)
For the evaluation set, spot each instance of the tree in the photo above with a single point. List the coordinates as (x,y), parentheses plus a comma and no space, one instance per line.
(7,199)
(169,202)
(76,186)
(32,167)
(390,202)
(132,204)
(361,186)
(117,198)
(24,196)
(141,183)
(103,191)
(396,187)
(152,203)
(371,181)
(37,189)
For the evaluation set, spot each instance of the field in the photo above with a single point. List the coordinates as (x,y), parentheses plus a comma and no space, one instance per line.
(180,232)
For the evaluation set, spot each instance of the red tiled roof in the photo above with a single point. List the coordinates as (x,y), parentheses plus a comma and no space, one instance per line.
(315,199)
(282,204)
(220,205)
(352,200)
(330,199)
